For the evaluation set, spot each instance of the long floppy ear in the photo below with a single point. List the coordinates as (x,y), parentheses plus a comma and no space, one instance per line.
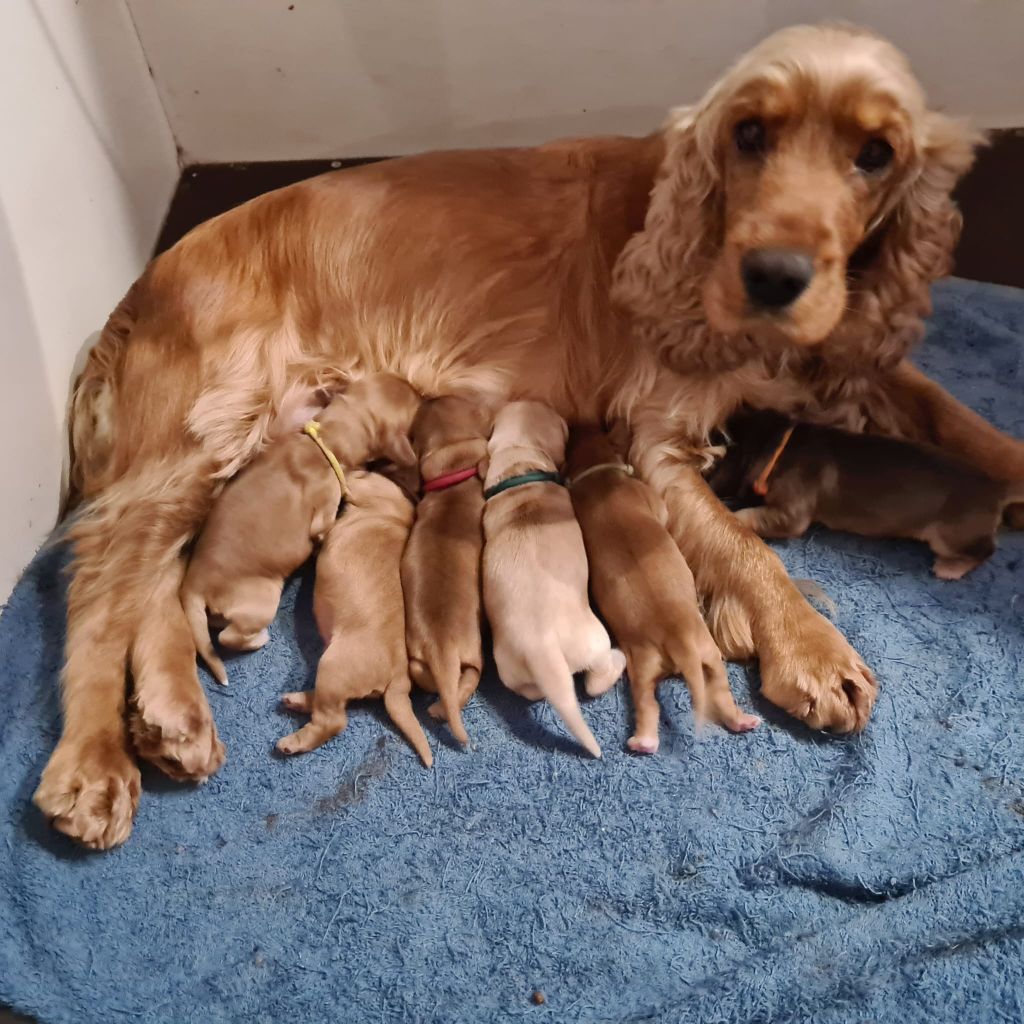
(657,276)
(398,448)
(917,240)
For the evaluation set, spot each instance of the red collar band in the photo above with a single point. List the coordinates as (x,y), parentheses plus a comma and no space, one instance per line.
(442,483)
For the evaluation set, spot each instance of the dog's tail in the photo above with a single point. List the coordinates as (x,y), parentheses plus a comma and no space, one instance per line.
(551,673)
(447,683)
(399,707)
(195,611)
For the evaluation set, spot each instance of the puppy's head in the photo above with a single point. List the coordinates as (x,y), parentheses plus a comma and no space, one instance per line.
(754,435)
(589,445)
(372,418)
(530,425)
(449,420)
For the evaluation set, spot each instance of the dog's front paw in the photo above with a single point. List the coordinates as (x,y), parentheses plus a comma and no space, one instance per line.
(90,790)
(814,674)
(177,734)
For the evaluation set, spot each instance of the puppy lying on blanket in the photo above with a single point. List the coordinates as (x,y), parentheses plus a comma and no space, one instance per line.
(535,571)
(644,589)
(861,483)
(441,564)
(357,601)
(268,518)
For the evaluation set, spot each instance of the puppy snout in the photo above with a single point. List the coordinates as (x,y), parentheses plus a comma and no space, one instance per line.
(773,278)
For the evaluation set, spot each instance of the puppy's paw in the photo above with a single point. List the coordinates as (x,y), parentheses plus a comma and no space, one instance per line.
(90,791)
(643,744)
(176,734)
(946,568)
(742,723)
(235,640)
(814,674)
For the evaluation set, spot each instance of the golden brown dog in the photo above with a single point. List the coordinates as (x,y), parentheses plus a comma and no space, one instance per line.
(357,600)
(268,519)
(773,244)
(535,571)
(441,564)
(644,589)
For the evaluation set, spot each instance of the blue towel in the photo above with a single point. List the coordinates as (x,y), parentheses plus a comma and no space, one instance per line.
(776,876)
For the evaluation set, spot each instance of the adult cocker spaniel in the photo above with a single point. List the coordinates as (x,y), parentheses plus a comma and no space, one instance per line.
(773,245)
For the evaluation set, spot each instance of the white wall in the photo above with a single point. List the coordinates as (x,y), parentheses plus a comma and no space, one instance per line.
(88,169)
(290,79)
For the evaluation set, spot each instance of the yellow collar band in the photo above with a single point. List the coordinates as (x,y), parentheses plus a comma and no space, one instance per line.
(312,429)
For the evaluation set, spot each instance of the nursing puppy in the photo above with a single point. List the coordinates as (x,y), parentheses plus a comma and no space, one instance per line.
(357,601)
(862,483)
(535,571)
(644,589)
(441,564)
(268,518)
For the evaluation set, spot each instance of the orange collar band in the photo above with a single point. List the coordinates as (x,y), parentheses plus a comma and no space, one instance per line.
(761,483)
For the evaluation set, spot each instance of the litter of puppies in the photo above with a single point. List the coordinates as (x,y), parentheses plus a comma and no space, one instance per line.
(428,513)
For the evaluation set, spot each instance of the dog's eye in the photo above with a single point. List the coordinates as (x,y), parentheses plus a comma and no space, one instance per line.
(750,136)
(874,155)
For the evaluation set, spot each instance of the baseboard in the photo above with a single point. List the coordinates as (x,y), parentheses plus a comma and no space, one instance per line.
(991,198)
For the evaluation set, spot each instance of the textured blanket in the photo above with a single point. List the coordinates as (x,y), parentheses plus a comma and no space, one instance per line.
(776,876)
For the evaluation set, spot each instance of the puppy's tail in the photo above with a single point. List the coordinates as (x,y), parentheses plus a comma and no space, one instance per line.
(195,611)
(446,683)
(399,706)
(552,676)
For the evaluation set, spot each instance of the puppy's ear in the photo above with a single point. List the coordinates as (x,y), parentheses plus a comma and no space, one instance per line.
(619,436)
(398,449)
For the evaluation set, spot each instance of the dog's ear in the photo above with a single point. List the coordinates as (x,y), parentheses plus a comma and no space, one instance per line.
(397,448)
(913,242)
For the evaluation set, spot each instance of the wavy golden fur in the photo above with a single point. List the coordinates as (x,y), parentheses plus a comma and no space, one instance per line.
(597,275)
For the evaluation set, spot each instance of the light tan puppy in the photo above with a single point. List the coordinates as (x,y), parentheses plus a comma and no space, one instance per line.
(535,572)
(441,564)
(644,589)
(266,522)
(357,601)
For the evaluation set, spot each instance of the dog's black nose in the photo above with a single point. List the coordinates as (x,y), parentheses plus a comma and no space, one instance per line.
(773,278)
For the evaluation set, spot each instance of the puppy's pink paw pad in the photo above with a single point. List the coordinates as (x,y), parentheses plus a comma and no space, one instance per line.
(744,723)
(642,744)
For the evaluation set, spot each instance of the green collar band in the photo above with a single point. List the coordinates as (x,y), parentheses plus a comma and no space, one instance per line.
(537,476)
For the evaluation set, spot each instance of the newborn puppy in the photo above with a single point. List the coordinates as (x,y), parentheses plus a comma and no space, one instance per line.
(861,483)
(441,564)
(535,571)
(357,601)
(268,518)
(644,589)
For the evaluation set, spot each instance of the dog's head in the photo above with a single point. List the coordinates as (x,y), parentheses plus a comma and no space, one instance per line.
(809,182)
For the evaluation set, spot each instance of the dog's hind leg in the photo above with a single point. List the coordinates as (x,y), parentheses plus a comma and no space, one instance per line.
(399,707)
(604,672)
(644,667)
(171,723)
(335,687)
